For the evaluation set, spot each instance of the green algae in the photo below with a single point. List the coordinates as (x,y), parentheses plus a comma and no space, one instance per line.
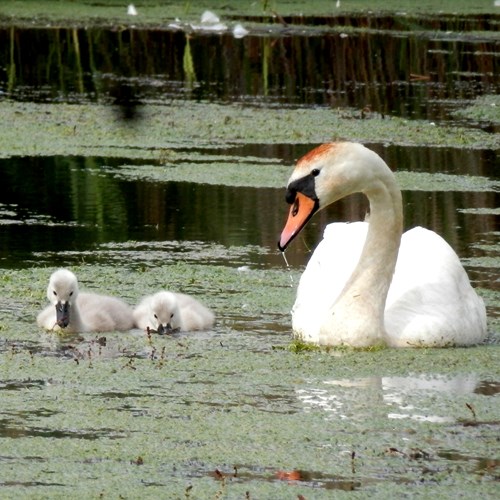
(480,211)
(244,171)
(71,129)
(152,13)
(79,413)
(425,181)
(210,407)
(484,109)
(233,171)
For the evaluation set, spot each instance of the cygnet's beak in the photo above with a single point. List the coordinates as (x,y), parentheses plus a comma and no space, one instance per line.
(62,314)
(164,329)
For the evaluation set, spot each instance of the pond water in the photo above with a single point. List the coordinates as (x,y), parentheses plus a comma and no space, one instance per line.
(44,197)
(416,73)
(233,411)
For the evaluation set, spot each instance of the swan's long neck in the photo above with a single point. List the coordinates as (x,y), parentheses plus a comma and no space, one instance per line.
(358,313)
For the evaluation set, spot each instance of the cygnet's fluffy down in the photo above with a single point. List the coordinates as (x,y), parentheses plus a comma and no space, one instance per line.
(75,312)
(165,312)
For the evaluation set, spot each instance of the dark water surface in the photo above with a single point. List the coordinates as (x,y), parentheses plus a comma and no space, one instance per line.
(416,74)
(66,204)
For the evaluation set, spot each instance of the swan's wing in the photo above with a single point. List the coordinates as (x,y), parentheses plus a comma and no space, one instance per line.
(102,313)
(141,318)
(431,301)
(326,274)
(47,318)
(195,316)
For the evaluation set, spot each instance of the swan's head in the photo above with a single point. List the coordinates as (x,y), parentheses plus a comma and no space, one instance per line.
(324,175)
(62,292)
(165,313)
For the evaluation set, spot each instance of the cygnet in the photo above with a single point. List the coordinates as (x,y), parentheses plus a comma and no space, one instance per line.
(166,312)
(75,312)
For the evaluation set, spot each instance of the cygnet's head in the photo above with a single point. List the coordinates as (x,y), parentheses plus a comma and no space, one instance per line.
(165,313)
(62,292)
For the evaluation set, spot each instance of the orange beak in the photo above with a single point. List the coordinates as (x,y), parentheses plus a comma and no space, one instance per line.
(301,211)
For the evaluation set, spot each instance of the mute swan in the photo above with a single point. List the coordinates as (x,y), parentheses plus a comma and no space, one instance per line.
(77,312)
(165,312)
(356,289)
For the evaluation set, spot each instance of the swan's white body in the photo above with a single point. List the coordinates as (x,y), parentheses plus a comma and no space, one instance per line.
(366,284)
(430,300)
(73,311)
(167,311)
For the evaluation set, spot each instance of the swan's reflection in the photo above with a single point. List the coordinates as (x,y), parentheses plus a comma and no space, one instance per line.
(392,397)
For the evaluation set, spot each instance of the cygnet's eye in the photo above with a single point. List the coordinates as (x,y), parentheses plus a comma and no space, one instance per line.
(54,292)
(172,315)
(315,172)
(156,316)
(71,294)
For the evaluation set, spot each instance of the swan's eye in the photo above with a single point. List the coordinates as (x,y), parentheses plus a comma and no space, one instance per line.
(315,172)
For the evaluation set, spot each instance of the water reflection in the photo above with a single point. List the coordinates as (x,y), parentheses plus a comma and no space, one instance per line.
(392,397)
(59,205)
(390,72)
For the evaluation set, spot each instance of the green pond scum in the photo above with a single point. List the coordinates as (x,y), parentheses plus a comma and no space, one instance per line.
(485,109)
(242,411)
(267,12)
(234,410)
(83,129)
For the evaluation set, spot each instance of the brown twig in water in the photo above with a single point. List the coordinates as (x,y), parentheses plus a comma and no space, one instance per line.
(471,408)
(279,18)
(414,77)
(129,364)
(161,362)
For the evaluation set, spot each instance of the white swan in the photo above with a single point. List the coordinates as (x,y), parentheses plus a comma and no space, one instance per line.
(356,289)
(76,312)
(165,312)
